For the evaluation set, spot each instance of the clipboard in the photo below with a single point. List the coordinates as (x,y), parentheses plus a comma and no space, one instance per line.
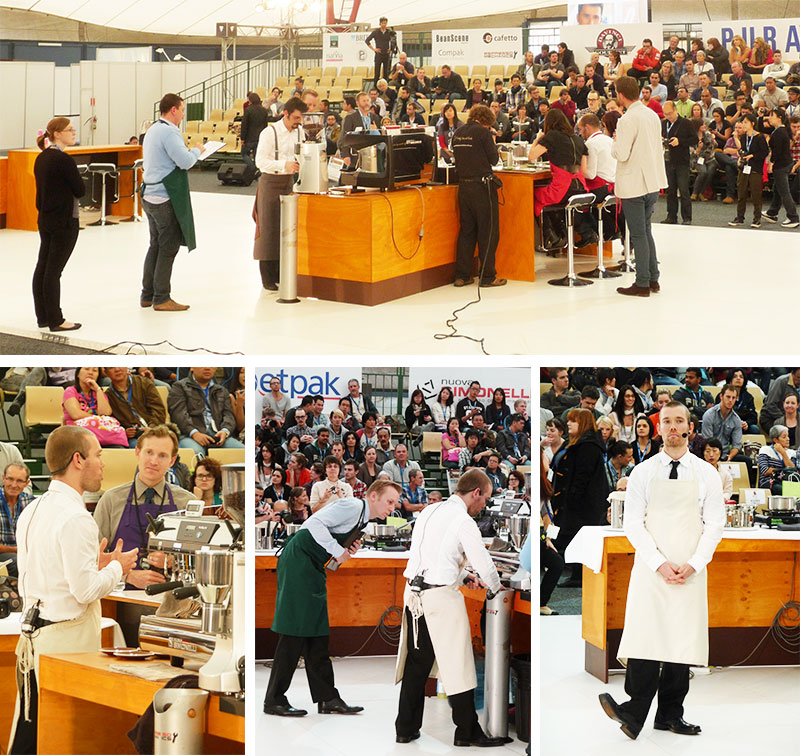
(209,148)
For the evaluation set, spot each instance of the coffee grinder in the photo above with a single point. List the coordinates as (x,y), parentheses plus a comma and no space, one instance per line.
(313,175)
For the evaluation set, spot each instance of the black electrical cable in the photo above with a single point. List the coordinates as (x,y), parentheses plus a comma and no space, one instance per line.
(421,225)
(144,345)
(389,634)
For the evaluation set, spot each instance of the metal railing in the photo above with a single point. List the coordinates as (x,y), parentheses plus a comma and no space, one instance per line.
(389,387)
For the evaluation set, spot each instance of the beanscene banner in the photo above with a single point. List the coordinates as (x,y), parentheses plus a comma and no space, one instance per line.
(331,383)
(780,33)
(470,47)
(349,49)
(516,382)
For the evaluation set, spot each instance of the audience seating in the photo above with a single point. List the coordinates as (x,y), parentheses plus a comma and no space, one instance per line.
(119,467)
(227,456)
(216,115)
(743,480)
(346,71)
(316,72)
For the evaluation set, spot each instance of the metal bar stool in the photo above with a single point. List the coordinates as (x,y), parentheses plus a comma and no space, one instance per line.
(600,271)
(135,167)
(576,203)
(626,266)
(104,169)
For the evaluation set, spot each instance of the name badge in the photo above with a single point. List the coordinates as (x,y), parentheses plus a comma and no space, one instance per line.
(747,170)
(701,161)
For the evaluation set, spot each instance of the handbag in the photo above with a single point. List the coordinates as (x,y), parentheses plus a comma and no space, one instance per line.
(107,429)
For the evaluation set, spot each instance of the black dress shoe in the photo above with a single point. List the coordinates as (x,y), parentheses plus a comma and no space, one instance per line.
(634,291)
(670,221)
(406,738)
(679,726)
(270,286)
(611,708)
(62,327)
(337,706)
(284,710)
(571,583)
(481,741)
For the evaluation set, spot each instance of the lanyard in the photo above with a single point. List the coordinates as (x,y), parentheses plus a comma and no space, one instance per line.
(749,142)
(91,401)
(644,453)
(130,394)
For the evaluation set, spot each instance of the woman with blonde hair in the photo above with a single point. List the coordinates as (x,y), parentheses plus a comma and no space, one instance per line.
(58,188)
(739,51)
(760,56)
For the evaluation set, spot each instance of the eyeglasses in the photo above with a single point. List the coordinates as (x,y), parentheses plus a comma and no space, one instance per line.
(203,476)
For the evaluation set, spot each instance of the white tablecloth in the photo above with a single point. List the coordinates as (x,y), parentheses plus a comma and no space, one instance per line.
(587,546)
(11,626)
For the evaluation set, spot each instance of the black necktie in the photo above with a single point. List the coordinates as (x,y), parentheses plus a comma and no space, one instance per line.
(673,473)
(150,496)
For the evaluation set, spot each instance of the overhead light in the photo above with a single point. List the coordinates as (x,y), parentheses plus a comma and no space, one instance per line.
(260,7)
(161,51)
(181,57)
(48,44)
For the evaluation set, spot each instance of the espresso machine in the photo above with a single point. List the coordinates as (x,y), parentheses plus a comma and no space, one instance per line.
(207,567)
(313,175)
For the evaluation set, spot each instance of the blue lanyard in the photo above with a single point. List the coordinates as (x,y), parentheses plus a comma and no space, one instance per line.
(749,142)
(205,393)
(644,453)
(91,400)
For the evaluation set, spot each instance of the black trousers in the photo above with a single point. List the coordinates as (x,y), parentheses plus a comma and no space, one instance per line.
(678,181)
(55,249)
(319,669)
(419,662)
(383,66)
(552,565)
(644,678)
(480,223)
(270,271)
(25,736)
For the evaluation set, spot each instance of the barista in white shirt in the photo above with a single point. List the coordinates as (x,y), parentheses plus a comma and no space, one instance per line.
(62,575)
(601,165)
(276,158)
(674,516)
(435,623)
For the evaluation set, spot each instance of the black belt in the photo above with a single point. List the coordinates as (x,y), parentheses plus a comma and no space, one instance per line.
(472,179)
(44,623)
(427,586)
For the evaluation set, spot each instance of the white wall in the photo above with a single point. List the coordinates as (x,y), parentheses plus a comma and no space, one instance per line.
(28,93)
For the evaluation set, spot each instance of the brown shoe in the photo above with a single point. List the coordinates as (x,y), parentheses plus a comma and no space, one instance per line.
(728,201)
(634,291)
(655,287)
(495,282)
(145,304)
(170,306)
(464,281)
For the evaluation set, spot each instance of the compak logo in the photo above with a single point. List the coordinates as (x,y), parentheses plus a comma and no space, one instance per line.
(610,39)
(181,645)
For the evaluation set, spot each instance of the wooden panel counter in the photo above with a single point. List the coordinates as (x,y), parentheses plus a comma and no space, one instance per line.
(748,582)
(362,248)
(22,213)
(84,707)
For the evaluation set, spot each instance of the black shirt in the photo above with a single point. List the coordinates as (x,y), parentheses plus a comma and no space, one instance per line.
(384,41)
(58,183)
(475,154)
(755,145)
(780,142)
(563,151)
(683,130)
(254,119)
(580,97)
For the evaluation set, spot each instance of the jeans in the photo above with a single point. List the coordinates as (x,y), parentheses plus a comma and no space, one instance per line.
(781,195)
(678,179)
(638,215)
(165,241)
(187,443)
(730,164)
(55,250)
(449,96)
(248,151)
(705,174)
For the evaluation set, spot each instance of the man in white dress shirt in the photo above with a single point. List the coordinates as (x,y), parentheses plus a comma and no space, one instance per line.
(277,160)
(62,574)
(674,516)
(435,623)
(640,176)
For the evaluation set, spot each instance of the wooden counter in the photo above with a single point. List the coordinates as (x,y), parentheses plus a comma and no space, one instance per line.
(748,581)
(359,592)
(361,248)
(22,185)
(84,707)
(3,190)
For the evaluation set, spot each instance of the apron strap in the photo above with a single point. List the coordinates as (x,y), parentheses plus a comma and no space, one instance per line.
(25,666)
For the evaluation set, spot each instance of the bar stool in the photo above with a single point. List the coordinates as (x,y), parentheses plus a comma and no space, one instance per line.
(626,266)
(135,167)
(105,169)
(600,271)
(576,203)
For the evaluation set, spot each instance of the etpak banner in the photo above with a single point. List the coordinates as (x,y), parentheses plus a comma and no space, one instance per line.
(330,383)
(584,41)
(780,33)
(469,47)
(516,382)
(350,49)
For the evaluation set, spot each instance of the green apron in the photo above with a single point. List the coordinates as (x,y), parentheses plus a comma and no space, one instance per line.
(301,606)
(177,185)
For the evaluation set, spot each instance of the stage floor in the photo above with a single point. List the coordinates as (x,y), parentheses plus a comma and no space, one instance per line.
(704,270)
(742,711)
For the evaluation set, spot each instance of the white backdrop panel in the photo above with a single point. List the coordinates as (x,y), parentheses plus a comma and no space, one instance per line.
(331,383)
(122,102)
(173,77)
(62,96)
(516,382)
(39,87)
(627,38)
(12,124)
(780,33)
(148,91)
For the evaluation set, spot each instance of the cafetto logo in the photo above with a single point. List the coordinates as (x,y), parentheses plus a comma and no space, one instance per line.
(489,37)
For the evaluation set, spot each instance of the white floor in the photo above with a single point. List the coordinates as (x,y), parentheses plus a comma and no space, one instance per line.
(742,711)
(715,269)
(367,682)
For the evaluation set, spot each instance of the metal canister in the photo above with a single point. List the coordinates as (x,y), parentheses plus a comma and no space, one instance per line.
(617,501)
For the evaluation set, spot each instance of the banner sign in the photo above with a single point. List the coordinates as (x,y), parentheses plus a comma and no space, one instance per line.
(330,383)
(350,50)
(607,12)
(780,33)
(584,41)
(469,47)
(516,382)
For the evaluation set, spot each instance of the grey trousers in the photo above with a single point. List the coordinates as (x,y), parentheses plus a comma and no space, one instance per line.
(638,214)
(165,241)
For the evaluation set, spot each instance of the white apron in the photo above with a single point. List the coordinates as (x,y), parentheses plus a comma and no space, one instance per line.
(448,625)
(667,622)
(77,636)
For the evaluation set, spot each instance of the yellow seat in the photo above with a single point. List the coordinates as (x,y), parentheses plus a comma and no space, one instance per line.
(361,71)
(462,71)
(758,397)
(316,71)
(341,82)
(261,92)
(545,387)
(743,480)
(163,392)
(206,127)
(302,71)
(330,71)
(227,456)
(459,105)
(431,443)
(192,127)
(43,406)
(512,69)
(437,106)
(119,467)
(346,71)
(478,72)
(756,437)
(335,94)
(496,72)
(228,116)
(216,115)
(187,457)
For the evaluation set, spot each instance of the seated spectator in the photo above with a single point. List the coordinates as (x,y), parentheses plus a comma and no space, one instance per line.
(718,57)
(601,166)
(418,416)
(679,64)
(523,128)
(333,130)
(402,71)
(560,396)
(793,106)
(399,468)
(469,406)
(538,118)
(626,408)
(708,105)
(722,422)
(297,473)
(645,61)
(495,473)
(449,86)
(351,468)
(543,56)
(669,52)
(501,128)
(775,457)
(728,160)
(290,446)
(302,428)
(330,488)
(497,410)
(789,418)
(619,465)
(86,405)
(534,98)
(614,69)
(589,396)
(277,490)
(265,465)
(384,448)
(647,100)
(368,470)
(645,445)
(719,128)
(414,497)
(565,105)
(658,90)
(443,409)
(701,158)
(411,115)
(529,69)
(705,84)
(420,85)
(387,94)
(134,401)
(298,506)
(553,442)
(771,96)
(316,417)
(401,103)
(320,448)
(513,444)
(702,66)
(711,454)
(202,411)
(446,129)
(580,92)
(499,93)
(368,435)
(471,455)
(13,499)
(277,400)
(760,56)
(607,382)
(352,447)
(593,107)
(452,442)
(553,74)
(206,483)
(477,95)
(692,395)
(594,78)
(605,429)
(516,484)
(690,80)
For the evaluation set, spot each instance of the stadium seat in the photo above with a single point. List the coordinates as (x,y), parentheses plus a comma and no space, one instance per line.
(216,115)
(43,406)
(361,71)
(496,72)
(459,105)
(261,92)
(163,392)
(325,81)
(512,69)
(335,94)
(119,467)
(341,82)
(478,72)
(346,71)
(463,71)
(316,71)
(192,127)
(330,71)
(302,71)
(227,456)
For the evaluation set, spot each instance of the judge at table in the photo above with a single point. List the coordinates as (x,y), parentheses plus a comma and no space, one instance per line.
(301,604)
(674,516)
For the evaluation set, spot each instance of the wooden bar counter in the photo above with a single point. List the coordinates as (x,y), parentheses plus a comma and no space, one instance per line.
(362,248)
(748,582)
(21,213)
(84,707)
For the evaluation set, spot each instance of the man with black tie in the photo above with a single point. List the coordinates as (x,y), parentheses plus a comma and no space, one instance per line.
(359,120)
(384,43)
(679,136)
